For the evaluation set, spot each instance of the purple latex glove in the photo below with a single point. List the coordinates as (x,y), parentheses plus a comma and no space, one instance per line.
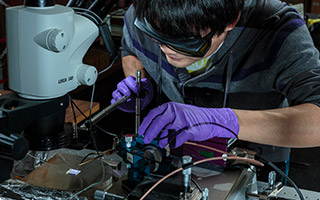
(126,87)
(189,122)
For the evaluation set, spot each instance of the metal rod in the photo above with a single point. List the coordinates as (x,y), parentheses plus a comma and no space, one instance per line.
(138,101)
(108,109)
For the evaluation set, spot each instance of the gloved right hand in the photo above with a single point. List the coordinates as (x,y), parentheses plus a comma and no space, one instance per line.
(128,87)
(188,122)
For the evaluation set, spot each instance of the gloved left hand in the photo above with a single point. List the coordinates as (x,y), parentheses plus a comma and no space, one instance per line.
(189,123)
(128,87)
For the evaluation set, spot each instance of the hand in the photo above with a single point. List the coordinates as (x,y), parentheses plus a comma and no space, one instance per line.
(189,123)
(126,87)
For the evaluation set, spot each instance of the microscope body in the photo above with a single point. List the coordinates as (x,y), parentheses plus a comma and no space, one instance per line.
(46,46)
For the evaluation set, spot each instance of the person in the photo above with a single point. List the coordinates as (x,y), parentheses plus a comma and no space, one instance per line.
(232,69)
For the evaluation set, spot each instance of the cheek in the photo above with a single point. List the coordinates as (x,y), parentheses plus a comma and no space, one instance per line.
(177,59)
(167,50)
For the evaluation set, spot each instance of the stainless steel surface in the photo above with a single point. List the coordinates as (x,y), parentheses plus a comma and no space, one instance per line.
(272,179)
(230,184)
(290,193)
(246,182)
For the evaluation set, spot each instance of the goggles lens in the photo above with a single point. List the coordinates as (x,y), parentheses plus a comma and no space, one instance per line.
(194,46)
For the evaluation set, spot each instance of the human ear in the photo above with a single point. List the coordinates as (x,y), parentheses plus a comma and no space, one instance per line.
(231,26)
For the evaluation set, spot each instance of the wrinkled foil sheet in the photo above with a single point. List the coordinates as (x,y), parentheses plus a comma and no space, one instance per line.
(16,190)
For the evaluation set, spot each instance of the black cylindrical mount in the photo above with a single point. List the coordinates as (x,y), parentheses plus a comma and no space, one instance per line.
(39,3)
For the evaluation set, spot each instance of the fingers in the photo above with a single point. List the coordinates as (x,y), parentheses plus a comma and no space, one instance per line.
(124,88)
(116,95)
(157,119)
(165,137)
(150,118)
(131,84)
(173,137)
(146,84)
(181,138)
(163,142)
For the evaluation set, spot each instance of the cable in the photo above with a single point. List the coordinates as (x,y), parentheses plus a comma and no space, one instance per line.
(255,162)
(77,107)
(4,52)
(103,29)
(83,162)
(91,101)
(86,10)
(88,16)
(90,122)
(93,184)
(90,160)
(196,184)
(282,174)
(4,4)
(89,154)
(95,146)
(106,132)
(207,123)
(196,163)
(194,125)
(214,149)
(94,143)
(74,117)
(86,118)
(106,69)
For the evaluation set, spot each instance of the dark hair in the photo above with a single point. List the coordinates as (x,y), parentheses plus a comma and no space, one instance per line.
(184,18)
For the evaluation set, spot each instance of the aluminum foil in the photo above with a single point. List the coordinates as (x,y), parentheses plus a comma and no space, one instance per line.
(16,190)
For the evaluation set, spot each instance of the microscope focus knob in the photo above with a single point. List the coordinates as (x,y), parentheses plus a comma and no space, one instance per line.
(13,146)
(87,75)
(57,40)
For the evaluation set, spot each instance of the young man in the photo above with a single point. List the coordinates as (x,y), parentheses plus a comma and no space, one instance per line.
(249,69)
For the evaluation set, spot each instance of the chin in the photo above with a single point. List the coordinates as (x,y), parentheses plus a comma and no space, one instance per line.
(179,64)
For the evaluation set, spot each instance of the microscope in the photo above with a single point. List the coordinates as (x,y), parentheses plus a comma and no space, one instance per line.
(46,45)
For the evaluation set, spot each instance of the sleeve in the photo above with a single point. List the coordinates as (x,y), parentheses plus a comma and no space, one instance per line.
(126,47)
(298,75)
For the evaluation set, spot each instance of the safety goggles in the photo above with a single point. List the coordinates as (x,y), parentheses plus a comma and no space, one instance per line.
(193,46)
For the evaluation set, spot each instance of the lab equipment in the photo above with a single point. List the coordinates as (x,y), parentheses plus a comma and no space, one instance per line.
(46,44)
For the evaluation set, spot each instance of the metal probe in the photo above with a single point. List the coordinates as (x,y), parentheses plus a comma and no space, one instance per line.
(108,109)
(96,118)
(101,195)
(138,101)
